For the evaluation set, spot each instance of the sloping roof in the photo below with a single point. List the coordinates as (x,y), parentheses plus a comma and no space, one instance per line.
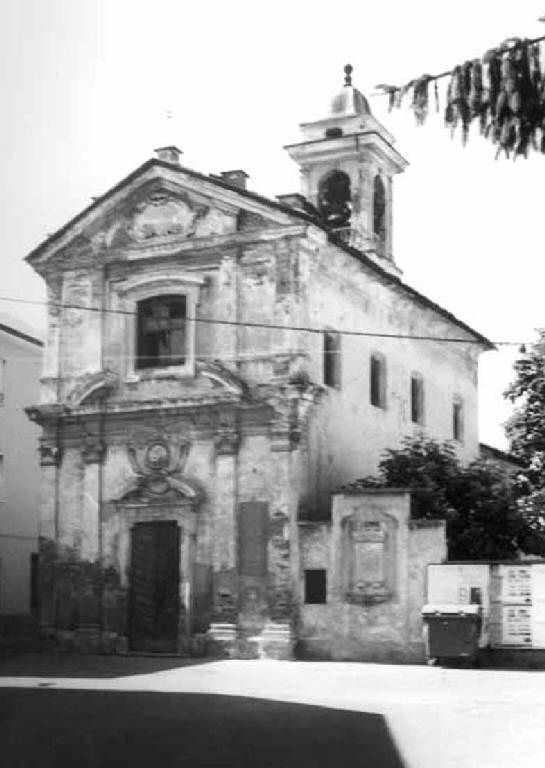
(210,179)
(16,327)
(490,452)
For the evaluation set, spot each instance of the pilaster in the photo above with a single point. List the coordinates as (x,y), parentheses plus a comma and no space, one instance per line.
(88,631)
(281,542)
(225,598)
(50,456)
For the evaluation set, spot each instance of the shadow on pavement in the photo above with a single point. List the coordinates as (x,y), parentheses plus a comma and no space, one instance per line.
(88,729)
(87,665)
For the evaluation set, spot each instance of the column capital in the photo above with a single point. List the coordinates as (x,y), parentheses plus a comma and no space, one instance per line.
(227,442)
(93,450)
(284,437)
(50,454)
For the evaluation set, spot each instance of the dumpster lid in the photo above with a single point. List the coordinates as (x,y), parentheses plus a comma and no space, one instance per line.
(451,609)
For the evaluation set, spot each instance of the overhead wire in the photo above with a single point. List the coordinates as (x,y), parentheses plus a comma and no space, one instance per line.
(271,326)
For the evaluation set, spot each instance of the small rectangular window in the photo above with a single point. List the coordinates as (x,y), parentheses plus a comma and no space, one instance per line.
(161,332)
(417,398)
(332,359)
(315,587)
(377,381)
(458,420)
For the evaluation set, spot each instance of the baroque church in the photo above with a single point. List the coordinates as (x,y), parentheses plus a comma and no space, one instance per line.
(218,368)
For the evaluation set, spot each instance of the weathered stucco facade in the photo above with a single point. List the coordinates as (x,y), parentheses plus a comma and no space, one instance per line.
(193,413)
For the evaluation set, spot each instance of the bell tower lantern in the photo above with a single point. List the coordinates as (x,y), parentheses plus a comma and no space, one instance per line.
(347,161)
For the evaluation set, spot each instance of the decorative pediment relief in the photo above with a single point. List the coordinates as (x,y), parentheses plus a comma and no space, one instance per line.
(162,214)
(165,214)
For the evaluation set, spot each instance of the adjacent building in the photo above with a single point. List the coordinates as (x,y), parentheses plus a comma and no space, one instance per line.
(217,364)
(20,367)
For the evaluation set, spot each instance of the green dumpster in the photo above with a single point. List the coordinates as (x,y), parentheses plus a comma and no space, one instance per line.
(452,631)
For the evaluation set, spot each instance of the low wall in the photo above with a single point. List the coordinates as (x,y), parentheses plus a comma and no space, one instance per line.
(375,558)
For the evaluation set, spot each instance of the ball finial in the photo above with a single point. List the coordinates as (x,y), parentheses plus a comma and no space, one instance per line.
(348,74)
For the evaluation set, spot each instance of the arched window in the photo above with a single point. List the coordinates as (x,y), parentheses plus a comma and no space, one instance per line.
(417,398)
(377,380)
(458,418)
(379,208)
(334,199)
(332,359)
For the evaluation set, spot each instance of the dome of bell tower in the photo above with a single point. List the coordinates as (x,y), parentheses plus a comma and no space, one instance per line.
(349,101)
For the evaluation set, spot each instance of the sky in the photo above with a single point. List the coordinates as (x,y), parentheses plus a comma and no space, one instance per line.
(85,86)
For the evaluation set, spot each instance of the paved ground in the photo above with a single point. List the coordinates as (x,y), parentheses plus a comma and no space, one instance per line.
(239,713)
(96,729)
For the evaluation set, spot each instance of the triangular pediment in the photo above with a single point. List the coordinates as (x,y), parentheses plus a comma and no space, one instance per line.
(159,202)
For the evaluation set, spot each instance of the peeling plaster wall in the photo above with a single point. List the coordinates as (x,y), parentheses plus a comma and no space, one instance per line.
(255,462)
(348,434)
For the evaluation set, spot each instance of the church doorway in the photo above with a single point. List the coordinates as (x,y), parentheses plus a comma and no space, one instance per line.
(154,587)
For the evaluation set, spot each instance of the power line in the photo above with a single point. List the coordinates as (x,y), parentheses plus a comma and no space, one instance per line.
(269,326)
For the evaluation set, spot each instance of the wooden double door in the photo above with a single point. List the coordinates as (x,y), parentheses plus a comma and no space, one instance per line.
(154,604)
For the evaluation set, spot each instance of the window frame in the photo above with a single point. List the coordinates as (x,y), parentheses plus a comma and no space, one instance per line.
(458,419)
(332,359)
(381,388)
(146,311)
(138,289)
(418,413)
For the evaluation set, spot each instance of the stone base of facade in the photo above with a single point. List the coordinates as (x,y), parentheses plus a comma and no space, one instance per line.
(275,641)
(87,639)
(221,640)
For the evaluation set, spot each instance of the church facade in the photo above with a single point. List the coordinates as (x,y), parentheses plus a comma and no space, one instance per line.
(217,365)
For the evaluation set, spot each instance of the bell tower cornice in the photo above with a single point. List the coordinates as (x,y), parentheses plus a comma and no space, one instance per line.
(348,160)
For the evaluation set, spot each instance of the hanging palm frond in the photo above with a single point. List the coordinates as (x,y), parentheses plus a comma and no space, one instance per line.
(504,92)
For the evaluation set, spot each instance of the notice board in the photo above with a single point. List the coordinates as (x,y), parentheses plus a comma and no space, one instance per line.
(518,605)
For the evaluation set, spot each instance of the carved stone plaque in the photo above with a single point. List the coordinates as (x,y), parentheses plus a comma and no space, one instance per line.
(252,538)
(369,562)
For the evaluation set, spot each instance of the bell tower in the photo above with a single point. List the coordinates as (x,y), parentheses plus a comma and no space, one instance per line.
(347,161)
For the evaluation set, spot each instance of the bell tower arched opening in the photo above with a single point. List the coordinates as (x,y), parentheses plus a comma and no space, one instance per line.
(379,208)
(335,200)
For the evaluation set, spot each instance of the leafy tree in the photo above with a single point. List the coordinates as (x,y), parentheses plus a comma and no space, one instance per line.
(526,431)
(478,501)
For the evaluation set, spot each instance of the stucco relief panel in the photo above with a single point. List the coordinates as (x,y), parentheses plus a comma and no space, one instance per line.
(165,214)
